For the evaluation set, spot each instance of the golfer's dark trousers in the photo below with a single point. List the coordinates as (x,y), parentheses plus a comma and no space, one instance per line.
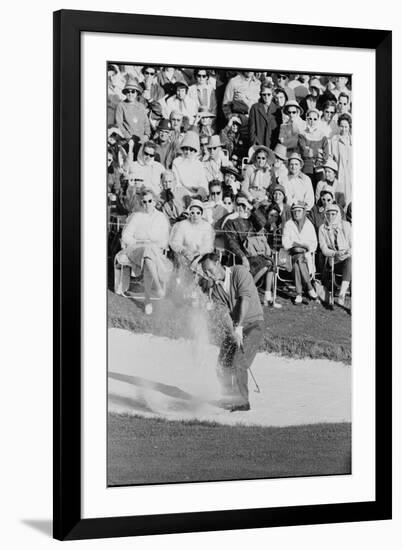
(233,363)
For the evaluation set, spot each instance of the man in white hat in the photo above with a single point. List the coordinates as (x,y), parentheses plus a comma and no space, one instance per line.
(289,131)
(216,160)
(131,116)
(298,185)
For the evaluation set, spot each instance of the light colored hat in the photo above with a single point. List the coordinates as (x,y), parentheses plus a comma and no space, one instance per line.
(331,164)
(195,203)
(133,84)
(313,110)
(204,112)
(235,118)
(296,156)
(299,205)
(281,151)
(332,208)
(269,152)
(214,141)
(280,188)
(192,140)
(292,103)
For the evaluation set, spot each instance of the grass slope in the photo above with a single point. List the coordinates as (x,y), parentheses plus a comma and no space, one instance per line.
(148,451)
(308,330)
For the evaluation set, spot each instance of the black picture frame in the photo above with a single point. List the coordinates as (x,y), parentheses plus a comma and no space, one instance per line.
(68,522)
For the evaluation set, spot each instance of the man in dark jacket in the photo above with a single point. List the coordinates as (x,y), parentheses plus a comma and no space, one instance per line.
(262,124)
(234,288)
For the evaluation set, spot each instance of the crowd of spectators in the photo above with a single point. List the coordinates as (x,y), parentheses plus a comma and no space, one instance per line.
(254,163)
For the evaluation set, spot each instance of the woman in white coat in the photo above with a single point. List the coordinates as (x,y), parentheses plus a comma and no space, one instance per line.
(299,238)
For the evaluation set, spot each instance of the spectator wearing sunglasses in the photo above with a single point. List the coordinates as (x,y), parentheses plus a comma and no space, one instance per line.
(162,141)
(231,137)
(214,207)
(259,174)
(328,124)
(317,213)
(314,147)
(216,161)
(188,169)
(144,238)
(262,122)
(282,81)
(203,92)
(206,125)
(131,115)
(147,168)
(183,103)
(289,131)
(330,181)
(152,90)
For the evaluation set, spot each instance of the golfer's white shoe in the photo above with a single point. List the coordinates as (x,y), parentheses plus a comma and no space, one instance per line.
(298,299)
(341,300)
(148,309)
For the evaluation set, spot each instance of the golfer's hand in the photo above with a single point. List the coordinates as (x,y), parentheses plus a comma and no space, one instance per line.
(245,262)
(238,336)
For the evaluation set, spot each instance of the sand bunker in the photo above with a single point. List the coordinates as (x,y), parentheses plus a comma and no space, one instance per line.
(153,376)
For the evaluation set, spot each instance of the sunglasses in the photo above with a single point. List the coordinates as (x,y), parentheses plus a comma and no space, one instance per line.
(201,76)
(292,112)
(216,192)
(148,73)
(310,118)
(282,77)
(148,154)
(213,148)
(261,158)
(267,95)
(147,201)
(330,112)
(196,212)
(130,92)
(241,205)
(189,149)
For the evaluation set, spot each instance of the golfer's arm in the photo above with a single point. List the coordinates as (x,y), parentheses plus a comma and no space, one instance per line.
(244,302)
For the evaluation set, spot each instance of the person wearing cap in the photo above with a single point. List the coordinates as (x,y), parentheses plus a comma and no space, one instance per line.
(188,169)
(131,115)
(241,90)
(231,179)
(235,291)
(277,195)
(262,121)
(216,160)
(300,239)
(183,103)
(340,148)
(335,238)
(203,91)
(259,174)
(162,141)
(330,181)
(313,146)
(231,137)
(192,237)
(206,120)
(144,238)
(298,185)
(289,131)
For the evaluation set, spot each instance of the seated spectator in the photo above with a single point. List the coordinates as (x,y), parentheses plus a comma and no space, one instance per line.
(314,148)
(247,241)
(300,240)
(131,115)
(298,185)
(205,125)
(214,209)
(280,164)
(228,201)
(328,121)
(232,179)
(192,237)
(278,194)
(258,175)
(232,139)
(147,168)
(317,213)
(162,141)
(171,202)
(289,131)
(188,170)
(144,238)
(330,181)
(182,102)
(335,237)
(262,121)
(216,160)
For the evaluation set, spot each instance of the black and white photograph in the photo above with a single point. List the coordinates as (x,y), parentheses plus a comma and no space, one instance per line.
(229,276)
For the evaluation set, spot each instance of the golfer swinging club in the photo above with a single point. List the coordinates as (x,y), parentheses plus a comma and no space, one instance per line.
(234,288)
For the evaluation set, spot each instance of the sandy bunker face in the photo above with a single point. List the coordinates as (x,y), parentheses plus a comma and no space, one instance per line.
(153,376)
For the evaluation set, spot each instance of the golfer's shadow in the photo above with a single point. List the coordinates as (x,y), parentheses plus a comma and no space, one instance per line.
(171,391)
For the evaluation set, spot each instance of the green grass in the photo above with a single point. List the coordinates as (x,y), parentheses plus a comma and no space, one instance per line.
(148,451)
(308,330)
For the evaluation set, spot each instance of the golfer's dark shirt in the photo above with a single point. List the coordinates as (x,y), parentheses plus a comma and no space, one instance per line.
(241,284)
